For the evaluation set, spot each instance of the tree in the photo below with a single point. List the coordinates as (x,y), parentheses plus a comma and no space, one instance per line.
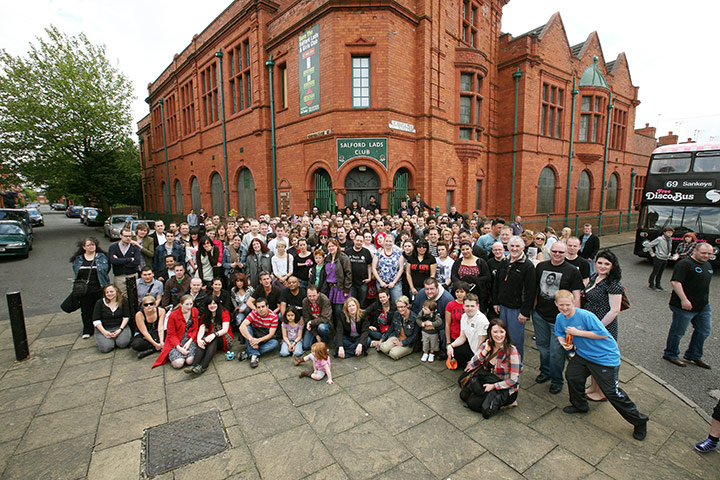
(66,121)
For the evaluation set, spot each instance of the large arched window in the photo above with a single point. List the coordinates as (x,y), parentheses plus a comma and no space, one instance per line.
(611,192)
(195,192)
(546,191)
(178,197)
(246,194)
(323,196)
(166,198)
(216,192)
(582,196)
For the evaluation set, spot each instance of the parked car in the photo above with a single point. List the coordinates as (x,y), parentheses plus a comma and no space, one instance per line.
(18,214)
(36,218)
(14,239)
(134,224)
(91,216)
(74,212)
(58,206)
(114,223)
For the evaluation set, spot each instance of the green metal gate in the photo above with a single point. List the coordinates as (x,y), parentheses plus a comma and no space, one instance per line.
(324,197)
(400,190)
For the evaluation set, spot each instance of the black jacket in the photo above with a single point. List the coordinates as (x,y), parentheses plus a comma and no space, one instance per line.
(592,245)
(342,329)
(515,285)
(214,258)
(412,330)
(373,313)
(481,283)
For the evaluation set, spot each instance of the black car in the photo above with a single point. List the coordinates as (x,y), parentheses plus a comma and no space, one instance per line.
(36,218)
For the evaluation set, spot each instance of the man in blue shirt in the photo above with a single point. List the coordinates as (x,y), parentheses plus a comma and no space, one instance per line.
(596,354)
(486,241)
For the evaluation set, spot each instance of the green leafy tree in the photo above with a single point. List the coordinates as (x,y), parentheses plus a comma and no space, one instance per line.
(66,120)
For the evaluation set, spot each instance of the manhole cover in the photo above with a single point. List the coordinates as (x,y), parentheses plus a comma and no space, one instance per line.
(178,443)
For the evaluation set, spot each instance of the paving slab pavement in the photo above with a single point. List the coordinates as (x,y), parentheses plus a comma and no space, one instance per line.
(70,412)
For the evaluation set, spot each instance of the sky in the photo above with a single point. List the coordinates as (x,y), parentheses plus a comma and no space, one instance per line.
(670,48)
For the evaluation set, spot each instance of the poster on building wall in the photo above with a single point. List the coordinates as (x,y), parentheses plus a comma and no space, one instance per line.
(309,69)
(350,148)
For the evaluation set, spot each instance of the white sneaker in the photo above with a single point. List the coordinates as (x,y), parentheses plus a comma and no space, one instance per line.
(86,336)
(424,357)
(431,357)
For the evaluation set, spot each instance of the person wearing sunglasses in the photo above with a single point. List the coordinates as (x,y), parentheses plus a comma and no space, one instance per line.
(150,323)
(420,266)
(552,276)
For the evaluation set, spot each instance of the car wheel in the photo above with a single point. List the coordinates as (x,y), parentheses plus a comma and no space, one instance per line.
(30,248)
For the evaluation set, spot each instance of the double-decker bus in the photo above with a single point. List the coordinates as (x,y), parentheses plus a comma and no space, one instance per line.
(682,190)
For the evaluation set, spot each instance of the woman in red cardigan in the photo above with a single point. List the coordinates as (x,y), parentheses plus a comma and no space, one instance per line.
(181,336)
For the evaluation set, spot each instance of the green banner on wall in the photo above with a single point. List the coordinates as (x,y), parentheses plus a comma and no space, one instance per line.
(309,69)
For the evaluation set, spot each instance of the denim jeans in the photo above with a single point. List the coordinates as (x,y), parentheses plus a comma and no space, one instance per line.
(374,334)
(324,332)
(552,354)
(515,328)
(349,345)
(702,326)
(396,292)
(239,318)
(263,347)
(360,293)
(285,349)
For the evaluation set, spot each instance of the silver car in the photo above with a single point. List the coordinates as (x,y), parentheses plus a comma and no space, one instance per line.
(114,224)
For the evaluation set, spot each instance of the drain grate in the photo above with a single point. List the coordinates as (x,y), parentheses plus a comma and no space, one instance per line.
(181,442)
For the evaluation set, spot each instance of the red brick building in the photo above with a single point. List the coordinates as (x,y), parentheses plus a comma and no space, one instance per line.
(386,97)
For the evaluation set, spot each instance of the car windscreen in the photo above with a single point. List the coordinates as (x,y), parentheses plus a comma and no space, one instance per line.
(11,230)
(8,215)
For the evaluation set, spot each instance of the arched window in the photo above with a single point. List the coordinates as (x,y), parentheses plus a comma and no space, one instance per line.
(546,191)
(611,192)
(216,192)
(178,197)
(323,195)
(166,198)
(246,193)
(195,192)
(582,197)
(401,189)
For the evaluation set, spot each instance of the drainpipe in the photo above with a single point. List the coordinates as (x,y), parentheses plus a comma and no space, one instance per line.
(607,139)
(570,155)
(630,200)
(516,76)
(167,168)
(270,64)
(219,55)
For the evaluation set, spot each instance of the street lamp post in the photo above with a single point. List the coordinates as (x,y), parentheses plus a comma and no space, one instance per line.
(219,55)
(270,64)
(605,158)
(167,167)
(516,76)
(570,154)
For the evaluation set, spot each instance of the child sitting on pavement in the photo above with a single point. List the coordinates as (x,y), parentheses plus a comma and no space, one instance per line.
(429,320)
(321,363)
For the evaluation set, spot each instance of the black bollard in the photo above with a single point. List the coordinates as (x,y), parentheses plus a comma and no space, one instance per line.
(17,324)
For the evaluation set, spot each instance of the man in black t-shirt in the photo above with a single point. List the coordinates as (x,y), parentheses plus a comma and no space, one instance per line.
(267,291)
(292,297)
(360,262)
(573,247)
(689,304)
(552,276)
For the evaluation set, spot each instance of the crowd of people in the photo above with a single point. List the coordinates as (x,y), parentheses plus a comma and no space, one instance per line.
(326,286)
